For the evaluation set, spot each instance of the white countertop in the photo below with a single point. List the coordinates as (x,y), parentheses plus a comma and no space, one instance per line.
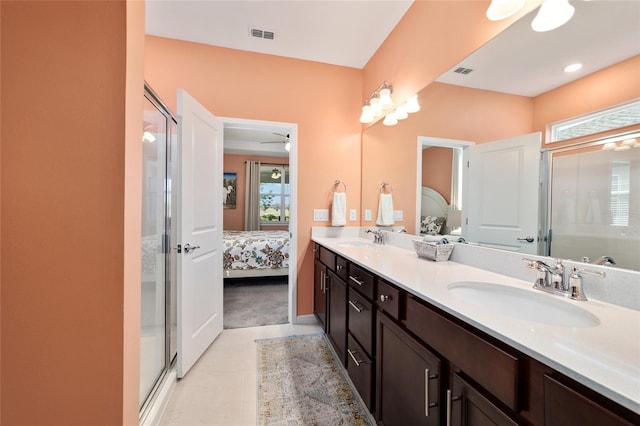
(605,358)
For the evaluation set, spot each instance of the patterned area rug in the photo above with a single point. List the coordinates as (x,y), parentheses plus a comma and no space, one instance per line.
(300,382)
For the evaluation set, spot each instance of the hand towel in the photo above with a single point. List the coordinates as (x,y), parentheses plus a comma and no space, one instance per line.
(339,209)
(593,211)
(385,210)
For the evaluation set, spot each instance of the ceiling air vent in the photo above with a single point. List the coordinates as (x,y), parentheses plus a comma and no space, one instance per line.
(258,33)
(462,70)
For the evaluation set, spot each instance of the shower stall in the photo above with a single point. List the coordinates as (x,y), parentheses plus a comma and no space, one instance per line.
(158,321)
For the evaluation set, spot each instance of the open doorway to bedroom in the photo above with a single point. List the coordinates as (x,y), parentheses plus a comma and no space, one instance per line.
(260,159)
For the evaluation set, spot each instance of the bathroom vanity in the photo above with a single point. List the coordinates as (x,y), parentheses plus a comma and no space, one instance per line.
(421,351)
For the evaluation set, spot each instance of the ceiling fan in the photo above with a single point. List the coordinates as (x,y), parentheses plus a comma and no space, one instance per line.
(284,140)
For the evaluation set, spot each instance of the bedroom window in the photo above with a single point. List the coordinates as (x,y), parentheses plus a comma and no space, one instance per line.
(274,194)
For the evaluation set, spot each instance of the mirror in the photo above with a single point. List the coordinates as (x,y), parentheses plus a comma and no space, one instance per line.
(451,111)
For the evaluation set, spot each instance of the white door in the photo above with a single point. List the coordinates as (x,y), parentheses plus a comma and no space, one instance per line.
(200,280)
(503,187)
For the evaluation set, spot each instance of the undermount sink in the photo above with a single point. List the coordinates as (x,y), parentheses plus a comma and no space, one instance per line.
(524,304)
(356,244)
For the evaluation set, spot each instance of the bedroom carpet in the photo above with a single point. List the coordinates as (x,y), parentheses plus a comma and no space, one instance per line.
(300,382)
(255,302)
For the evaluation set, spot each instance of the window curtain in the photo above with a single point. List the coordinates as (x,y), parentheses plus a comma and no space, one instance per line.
(252,197)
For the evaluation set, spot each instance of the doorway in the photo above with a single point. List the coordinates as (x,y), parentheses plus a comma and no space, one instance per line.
(277,141)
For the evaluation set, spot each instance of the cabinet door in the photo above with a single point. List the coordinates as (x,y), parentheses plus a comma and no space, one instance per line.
(467,406)
(407,379)
(319,293)
(337,315)
(564,405)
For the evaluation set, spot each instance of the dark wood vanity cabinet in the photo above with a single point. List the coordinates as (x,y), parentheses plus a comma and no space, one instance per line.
(408,378)
(319,292)
(337,315)
(415,364)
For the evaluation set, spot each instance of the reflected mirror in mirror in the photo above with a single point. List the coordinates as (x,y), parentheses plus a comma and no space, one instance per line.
(486,111)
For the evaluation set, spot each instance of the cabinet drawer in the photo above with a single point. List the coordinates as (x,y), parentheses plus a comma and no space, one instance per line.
(328,258)
(488,365)
(361,320)
(360,369)
(341,267)
(361,280)
(468,406)
(389,299)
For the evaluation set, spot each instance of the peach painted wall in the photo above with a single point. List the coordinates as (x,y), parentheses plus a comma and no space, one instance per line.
(65,212)
(614,85)
(431,37)
(134,109)
(436,170)
(235,163)
(452,112)
(324,100)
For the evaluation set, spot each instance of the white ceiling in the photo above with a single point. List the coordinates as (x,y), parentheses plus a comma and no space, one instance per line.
(348,33)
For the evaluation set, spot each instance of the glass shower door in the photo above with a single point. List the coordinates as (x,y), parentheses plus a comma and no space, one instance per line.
(154,357)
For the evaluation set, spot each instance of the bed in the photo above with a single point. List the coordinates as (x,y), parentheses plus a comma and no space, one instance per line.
(255,253)
(433,211)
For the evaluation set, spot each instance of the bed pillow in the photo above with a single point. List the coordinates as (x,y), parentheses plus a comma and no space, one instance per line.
(431,225)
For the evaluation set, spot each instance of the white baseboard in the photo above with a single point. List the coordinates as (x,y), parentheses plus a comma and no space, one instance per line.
(160,401)
(306,319)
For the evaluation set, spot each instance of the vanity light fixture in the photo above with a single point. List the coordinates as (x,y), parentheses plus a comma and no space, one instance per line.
(502,9)
(276,174)
(377,103)
(618,144)
(287,146)
(390,119)
(412,104)
(552,14)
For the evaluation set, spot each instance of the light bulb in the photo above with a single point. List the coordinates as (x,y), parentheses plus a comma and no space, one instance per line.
(376,108)
(390,120)
(572,67)
(412,104)
(367,116)
(609,145)
(385,98)
(552,14)
(287,146)
(502,9)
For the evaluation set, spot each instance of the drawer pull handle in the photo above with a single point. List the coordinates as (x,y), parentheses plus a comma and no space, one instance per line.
(339,267)
(428,405)
(355,280)
(352,354)
(384,298)
(450,400)
(355,306)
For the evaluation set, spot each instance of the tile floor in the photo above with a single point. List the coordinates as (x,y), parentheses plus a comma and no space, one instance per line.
(221,388)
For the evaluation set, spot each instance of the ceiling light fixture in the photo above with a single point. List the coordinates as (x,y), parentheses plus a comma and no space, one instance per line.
(573,67)
(502,9)
(148,137)
(552,14)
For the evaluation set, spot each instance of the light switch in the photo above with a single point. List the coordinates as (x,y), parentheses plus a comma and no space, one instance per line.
(353,215)
(367,214)
(320,215)
(397,215)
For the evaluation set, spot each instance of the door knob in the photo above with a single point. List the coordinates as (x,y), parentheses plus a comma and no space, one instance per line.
(188,248)
(528,239)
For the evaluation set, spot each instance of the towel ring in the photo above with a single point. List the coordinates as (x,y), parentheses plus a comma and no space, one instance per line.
(337,184)
(384,186)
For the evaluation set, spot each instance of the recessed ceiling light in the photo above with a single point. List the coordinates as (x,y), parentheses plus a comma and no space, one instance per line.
(572,67)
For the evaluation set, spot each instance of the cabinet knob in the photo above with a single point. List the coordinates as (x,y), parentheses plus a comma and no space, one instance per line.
(383,298)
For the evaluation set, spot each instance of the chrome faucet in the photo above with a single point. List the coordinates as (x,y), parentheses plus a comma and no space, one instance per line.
(550,279)
(603,260)
(378,236)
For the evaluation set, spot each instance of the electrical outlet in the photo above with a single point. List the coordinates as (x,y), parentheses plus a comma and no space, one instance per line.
(353,215)
(320,215)
(367,214)
(397,215)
